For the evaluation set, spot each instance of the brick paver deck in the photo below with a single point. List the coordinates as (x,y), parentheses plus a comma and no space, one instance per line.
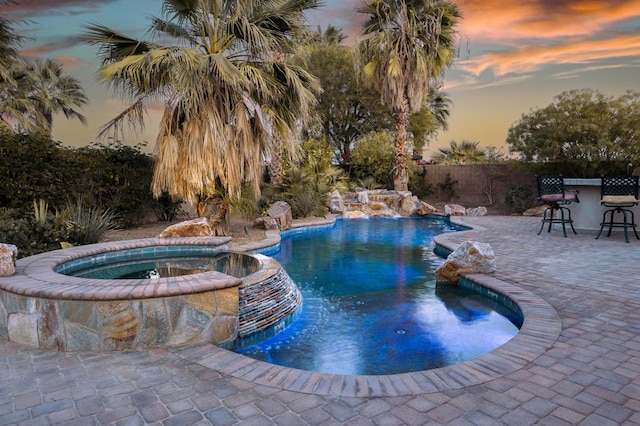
(588,373)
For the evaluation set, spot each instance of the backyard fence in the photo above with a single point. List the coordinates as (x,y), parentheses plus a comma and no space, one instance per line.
(475,184)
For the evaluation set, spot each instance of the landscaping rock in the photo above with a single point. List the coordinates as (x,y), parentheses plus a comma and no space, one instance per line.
(281,212)
(454,210)
(198,227)
(266,222)
(354,214)
(408,205)
(378,209)
(470,257)
(336,205)
(476,211)
(362,196)
(8,256)
(425,209)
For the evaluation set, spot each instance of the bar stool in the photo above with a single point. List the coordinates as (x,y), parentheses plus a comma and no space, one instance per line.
(552,192)
(619,193)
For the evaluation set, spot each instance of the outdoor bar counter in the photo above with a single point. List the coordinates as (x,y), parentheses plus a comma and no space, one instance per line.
(587,214)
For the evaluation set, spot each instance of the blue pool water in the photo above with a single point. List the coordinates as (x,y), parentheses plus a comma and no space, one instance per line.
(371,305)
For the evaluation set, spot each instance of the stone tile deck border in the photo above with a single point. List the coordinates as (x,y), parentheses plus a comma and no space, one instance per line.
(540,330)
(35,276)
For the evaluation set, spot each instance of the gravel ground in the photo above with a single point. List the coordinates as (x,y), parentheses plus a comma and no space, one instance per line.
(242,232)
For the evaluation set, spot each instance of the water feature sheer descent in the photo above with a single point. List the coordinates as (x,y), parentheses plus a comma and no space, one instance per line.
(371,305)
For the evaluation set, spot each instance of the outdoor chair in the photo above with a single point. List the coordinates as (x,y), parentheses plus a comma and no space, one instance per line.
(552,192)
(619,192)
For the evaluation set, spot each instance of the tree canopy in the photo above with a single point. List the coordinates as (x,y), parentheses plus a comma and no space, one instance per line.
(225,86)
(465,152)
(406,44)
(582,129)
(347,107)
(32,91)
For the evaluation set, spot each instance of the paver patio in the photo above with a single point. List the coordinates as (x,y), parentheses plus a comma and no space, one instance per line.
(589,375)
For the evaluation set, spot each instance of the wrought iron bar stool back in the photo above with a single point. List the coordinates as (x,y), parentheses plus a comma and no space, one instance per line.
(552,192)
(619,193)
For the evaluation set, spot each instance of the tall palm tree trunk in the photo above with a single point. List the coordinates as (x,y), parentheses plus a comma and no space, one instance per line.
(276,168)
(401,175)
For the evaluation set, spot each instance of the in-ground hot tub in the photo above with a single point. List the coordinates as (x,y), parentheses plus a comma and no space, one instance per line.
(217,301)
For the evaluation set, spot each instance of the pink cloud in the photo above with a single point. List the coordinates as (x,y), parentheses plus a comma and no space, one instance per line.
(52,46)
(530,58)
(509,21)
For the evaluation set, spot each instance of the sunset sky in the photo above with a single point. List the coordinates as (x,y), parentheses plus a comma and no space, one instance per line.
(515,56)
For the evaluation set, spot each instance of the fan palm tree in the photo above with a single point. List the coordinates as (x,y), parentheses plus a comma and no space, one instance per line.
(35,91)
(405,44)
(465,152)
(54,92)
(17,108)
(9,41)
(218,74)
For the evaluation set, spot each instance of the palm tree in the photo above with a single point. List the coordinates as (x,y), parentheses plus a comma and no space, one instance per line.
(17,108)
(406,44)
(217,75)
(9,41)
(465,152)
(54,92)
(35,91)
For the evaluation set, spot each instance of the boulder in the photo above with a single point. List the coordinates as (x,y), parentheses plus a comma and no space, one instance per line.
(336,205)
(476,211)
(198,227)
(425,209)
(408,205)
(454,210)
(470,257)
(281,212)
(363,196)
(8,256)
(378,209)
(266,222)
(354,214)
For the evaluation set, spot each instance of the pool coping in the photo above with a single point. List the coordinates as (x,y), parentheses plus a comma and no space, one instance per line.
(36,276)
(540,330)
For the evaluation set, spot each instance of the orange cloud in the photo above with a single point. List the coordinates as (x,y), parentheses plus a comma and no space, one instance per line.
(510,21)
(530,58)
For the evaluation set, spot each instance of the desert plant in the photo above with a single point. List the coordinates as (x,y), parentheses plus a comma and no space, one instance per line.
(85,224)
(367,182)
(308,203)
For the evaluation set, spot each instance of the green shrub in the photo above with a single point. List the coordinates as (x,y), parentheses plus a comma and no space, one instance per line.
(44,231)
(374,157)
(86,225)
(308,203)
(307,185)
(519,198)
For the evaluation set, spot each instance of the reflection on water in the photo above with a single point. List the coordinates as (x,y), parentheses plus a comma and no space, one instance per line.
(371,306)
(235,264)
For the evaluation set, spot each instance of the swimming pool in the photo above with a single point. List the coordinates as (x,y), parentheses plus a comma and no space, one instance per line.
(371,305)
